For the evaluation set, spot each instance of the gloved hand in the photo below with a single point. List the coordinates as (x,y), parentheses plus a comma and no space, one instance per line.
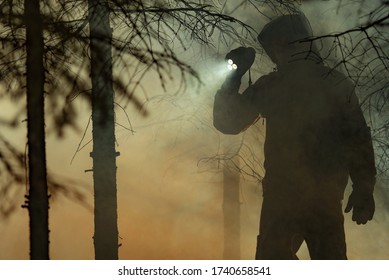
(363,206)
(243,58)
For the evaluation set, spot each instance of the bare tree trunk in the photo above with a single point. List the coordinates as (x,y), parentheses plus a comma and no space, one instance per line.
(104,154)
(231,211)
(38,202)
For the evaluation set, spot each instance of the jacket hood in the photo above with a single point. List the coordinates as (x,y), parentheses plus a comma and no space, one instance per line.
(283,36)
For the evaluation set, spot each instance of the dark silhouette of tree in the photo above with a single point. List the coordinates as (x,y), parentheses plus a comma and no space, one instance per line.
(28,55)
(231,211)
(37,199)
(104,154)
(238,160)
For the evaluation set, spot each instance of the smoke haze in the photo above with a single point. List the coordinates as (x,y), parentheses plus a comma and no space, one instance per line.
(169,181)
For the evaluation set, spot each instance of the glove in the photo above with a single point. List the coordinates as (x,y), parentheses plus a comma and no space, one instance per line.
(243,58)
(363,206)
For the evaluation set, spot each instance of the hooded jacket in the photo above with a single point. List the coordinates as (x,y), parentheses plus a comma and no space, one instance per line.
(316,134)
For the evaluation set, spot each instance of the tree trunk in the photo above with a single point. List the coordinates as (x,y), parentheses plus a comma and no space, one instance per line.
(104,154)
(38,202)
(231,211)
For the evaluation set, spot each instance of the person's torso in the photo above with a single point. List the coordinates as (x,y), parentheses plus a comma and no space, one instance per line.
(302,108)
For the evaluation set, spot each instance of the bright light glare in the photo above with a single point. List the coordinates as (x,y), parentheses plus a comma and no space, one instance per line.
(231,65)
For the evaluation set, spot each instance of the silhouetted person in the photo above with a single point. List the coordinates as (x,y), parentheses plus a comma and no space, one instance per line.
(316,137)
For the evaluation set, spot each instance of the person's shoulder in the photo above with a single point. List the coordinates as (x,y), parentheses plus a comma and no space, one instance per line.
(267,79)
(339,85)
(335,76)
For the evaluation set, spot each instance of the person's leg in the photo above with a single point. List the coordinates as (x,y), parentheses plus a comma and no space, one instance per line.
(325,235)
(277,233)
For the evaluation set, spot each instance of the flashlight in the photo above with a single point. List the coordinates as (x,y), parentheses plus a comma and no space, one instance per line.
(244,57)
(231,65)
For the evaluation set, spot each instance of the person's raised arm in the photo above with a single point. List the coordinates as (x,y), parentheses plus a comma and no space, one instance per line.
(234,112)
